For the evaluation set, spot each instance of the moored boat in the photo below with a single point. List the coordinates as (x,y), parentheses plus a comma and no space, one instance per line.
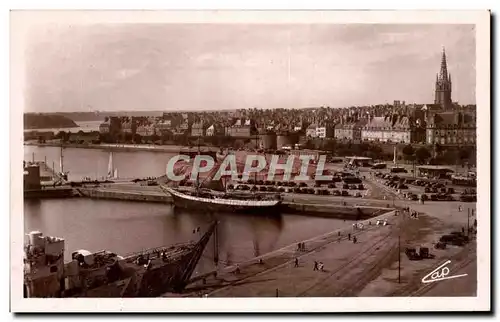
(217,201)
(105,274)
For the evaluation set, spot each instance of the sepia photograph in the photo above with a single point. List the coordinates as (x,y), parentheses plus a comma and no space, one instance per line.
(198,158)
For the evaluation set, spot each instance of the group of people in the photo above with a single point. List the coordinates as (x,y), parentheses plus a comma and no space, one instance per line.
(318,266)
(301,247)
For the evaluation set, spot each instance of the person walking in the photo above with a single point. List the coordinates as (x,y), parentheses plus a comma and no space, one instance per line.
(315,266)
(349,236)
(296,262)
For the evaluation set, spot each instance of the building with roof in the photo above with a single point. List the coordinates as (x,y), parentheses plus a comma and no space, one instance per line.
(145,130)
(392,128)
(104,127)
(349,131)
(311,131)
(433,171)
(198,129)
(451,128)
(241,128)
(325,131)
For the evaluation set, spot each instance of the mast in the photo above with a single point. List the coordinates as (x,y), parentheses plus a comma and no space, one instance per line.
(257,150)
(61,157)
(216,245)
(198,172)
(110,165)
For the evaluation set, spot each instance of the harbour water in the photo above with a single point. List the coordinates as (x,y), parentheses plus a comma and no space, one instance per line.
(125,227)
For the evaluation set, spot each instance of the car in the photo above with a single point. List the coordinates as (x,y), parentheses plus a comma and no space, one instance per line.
(345,186)
(344,193)
(443,190)
(434,197)
(454,239)
(468,198)
(451,190)
(434,190)
(424,197)
(336,193)
(361,187)
(302,184)
(358,195)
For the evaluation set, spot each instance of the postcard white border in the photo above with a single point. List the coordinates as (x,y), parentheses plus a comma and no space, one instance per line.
(482,302)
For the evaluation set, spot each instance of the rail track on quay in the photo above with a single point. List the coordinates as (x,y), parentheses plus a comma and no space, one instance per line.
(342,271)
(289,257)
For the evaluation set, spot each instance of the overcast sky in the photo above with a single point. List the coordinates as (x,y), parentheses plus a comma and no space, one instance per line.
(209,67)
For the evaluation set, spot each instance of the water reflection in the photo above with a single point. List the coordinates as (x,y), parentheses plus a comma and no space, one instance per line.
(261,233)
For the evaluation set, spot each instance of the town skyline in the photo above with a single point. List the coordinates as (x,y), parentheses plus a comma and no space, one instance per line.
(126,68)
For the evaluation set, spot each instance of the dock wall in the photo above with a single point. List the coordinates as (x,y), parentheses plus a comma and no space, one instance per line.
(335,211)
(126,196)
(329,210)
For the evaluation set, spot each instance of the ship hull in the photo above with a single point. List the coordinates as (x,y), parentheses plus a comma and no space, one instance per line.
(187,204)
(184,201)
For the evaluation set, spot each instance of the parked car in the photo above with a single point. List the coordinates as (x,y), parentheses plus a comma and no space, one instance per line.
(344,193)
(413,197)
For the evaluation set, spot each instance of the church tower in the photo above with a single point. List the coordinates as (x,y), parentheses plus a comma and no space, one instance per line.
(443,85)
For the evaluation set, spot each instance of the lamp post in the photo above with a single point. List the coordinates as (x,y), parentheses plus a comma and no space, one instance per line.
(399,256)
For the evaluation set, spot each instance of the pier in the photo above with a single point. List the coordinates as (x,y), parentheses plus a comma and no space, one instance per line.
(374,265)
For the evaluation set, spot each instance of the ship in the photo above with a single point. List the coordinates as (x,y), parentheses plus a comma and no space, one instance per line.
(210,200)
(212,195)
(149,273)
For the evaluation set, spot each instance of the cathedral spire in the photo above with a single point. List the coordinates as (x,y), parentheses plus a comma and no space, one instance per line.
(443,85)
(443,73)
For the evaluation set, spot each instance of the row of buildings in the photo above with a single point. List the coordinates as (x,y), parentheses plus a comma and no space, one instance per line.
(442,121)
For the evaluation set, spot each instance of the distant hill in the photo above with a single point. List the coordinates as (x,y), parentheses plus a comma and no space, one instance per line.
(99,116)
(47,121)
